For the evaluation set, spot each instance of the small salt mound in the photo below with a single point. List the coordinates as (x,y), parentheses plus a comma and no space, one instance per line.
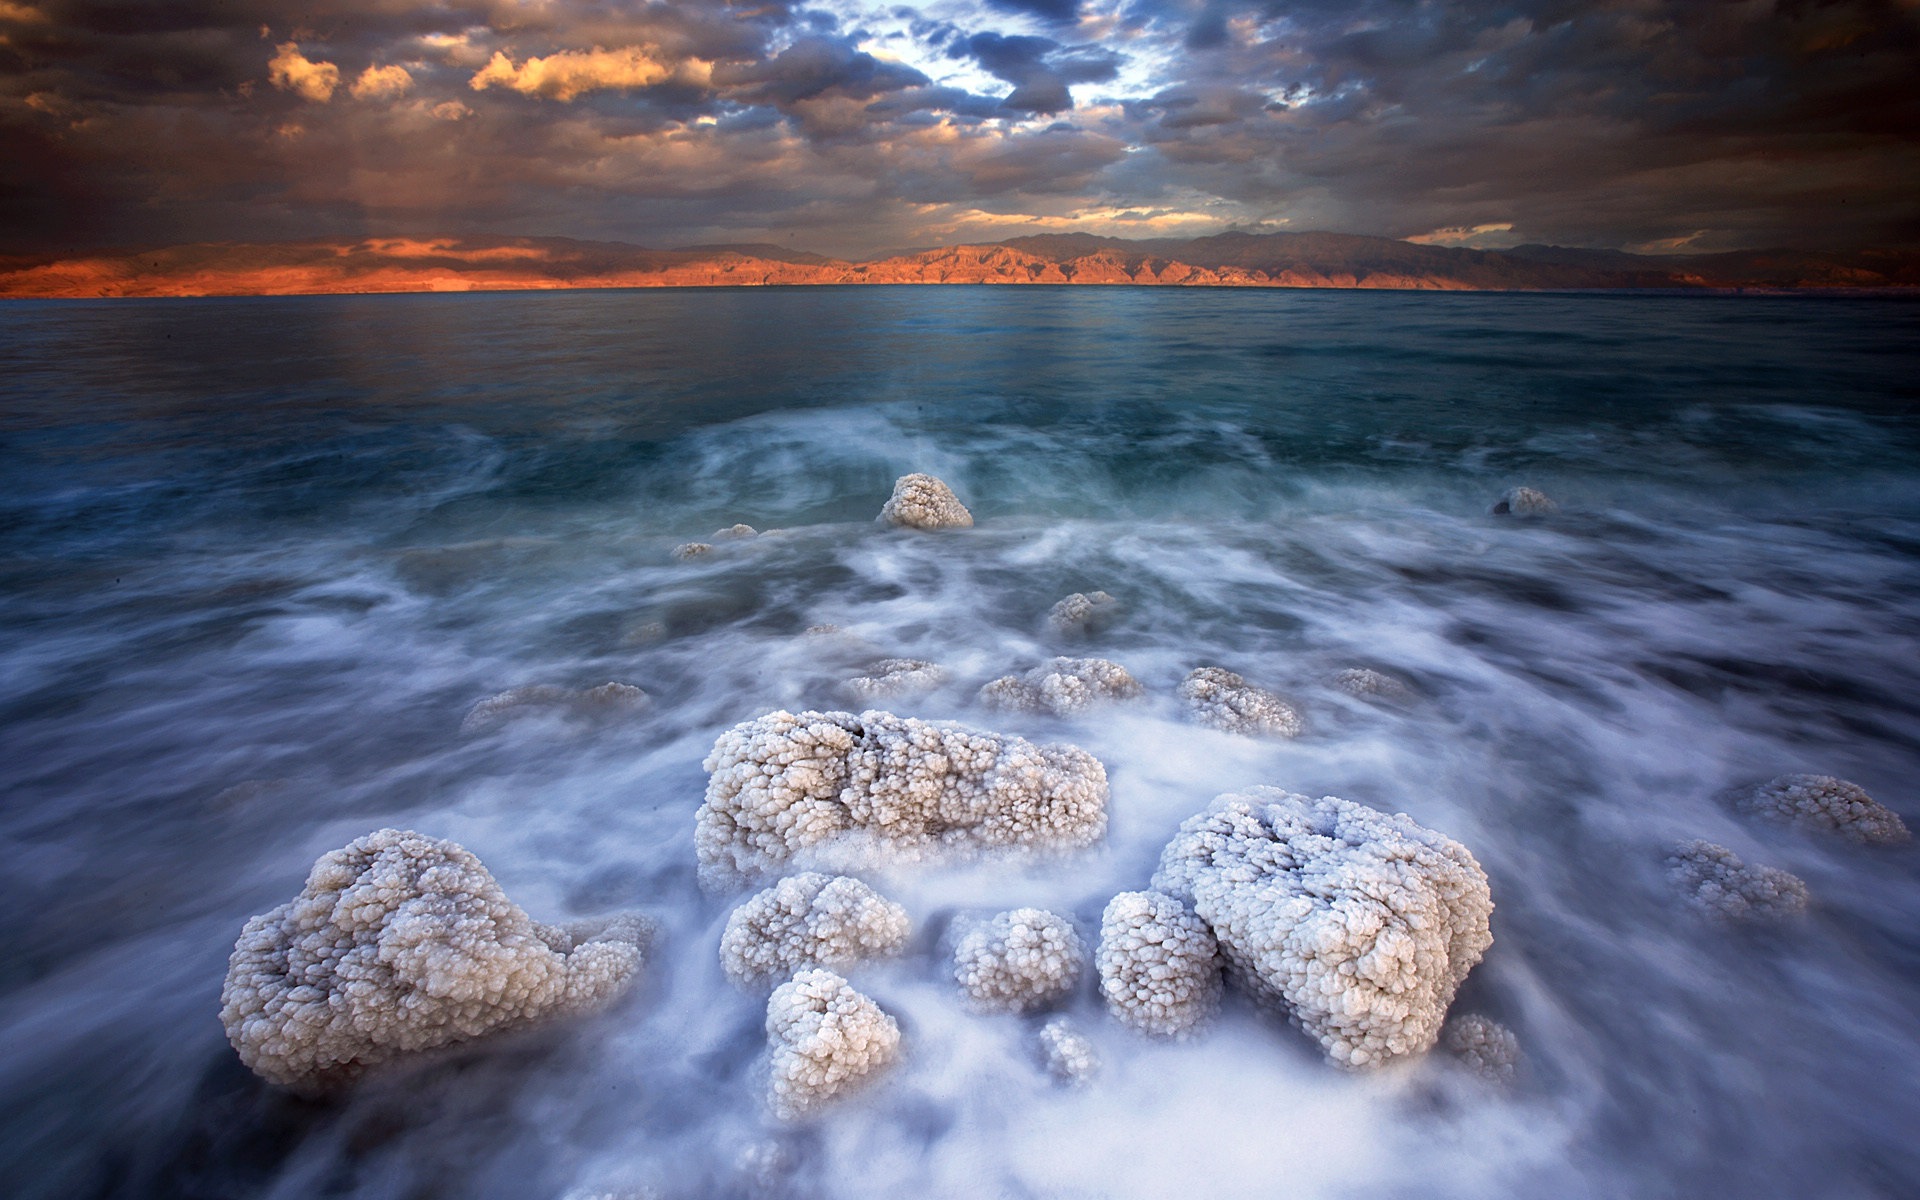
(923,502)
(1366,683)
(734,533)
(1067,1054)
(1018,961)
(608,699)
(1082,613)
(1523,502)
(1159,965)
(809,920)
(1359,925)
(1714,881)
(892,677)
(825,1039)
(399,944)
(1484,1046)
(1226,701)
(1826,805)
(687,550)
(848,792)
(1062,686)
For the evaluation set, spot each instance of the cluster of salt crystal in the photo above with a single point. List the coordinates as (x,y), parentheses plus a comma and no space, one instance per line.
(1226,701)
(1062,686)
(1018,961)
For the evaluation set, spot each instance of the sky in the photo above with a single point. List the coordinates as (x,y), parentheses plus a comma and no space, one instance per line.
(855,128)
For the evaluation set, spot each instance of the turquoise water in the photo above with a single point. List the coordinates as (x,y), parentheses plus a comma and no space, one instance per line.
(258,558)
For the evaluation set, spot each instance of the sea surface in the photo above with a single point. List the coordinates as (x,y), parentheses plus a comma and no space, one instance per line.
(259,559)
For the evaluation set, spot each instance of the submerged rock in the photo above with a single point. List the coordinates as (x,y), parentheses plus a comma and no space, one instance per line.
(1082,613)
(734,533)
(809,920)
(923,502)
(1018,961)
(401,943)
(1159,965)
(1523,502)
(605,700)
(687,550)
(1062,686)
(845,791)
(1825,805)
(1368,684)
(892,677)
(826,1039)
(1066,1053)
(1226,701)
(1357,924)
(1484,1046)
(1717,884)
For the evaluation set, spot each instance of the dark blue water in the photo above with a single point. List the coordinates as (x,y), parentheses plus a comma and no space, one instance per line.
(258,558)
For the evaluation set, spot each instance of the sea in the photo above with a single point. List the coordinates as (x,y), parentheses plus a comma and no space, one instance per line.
(261,558)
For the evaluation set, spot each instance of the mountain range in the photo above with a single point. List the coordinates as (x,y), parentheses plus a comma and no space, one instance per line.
(1287,260)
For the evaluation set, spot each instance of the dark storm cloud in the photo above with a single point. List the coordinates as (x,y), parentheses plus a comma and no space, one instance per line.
(1619,122)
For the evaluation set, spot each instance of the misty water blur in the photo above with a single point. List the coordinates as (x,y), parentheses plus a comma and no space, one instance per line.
(259,558)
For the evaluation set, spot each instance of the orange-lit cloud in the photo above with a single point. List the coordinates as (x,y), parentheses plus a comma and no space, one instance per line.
(382,83)
(572,73)
(292,71)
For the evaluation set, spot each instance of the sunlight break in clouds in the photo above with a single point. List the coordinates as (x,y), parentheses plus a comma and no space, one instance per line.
(571,73)
(292,71)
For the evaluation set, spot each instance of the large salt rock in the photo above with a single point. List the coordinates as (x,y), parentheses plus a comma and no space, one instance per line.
(1358,924)
(401,943)
(1062,686)
(1019,961)
(1824,804)
(1717,884)
(826,1039)
(809,920)
(845,792)
(1159,965)
(1226,701)
(923,502)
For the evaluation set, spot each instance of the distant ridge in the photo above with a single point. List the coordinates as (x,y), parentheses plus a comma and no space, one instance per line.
(1271,260)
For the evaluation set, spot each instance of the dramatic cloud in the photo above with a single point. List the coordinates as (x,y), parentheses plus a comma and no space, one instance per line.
(852,127)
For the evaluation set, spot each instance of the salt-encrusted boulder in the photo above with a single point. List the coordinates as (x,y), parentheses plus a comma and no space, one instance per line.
(809,920)
(838,791)
(401,943)
(1067,1054)
(1484,1046)
(608,699)
(1018,961)
(1368,684)
(1159,965)
(892,677)
(1062,686)
(1358,924)
(1226,701)
(689,550)
(1523,502)
(923,502)
(1082,612)
(825,1039)
(1824,804)
(1717,884)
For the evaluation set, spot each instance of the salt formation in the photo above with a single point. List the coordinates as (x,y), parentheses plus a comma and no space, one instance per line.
(841,790)
(1717,884)
(1082,612)
(687,550)
(1018,961)
(896,677)
(1523,502)
(1484,1046)
(1062,686)
(809,920)
(1358,924)
(401,943)
(923,502)
(1067,1053)
(1826,805)
(826,1038)
(1226,701)
(734,533)
(1159,965)
(608,698)
(1369,684)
